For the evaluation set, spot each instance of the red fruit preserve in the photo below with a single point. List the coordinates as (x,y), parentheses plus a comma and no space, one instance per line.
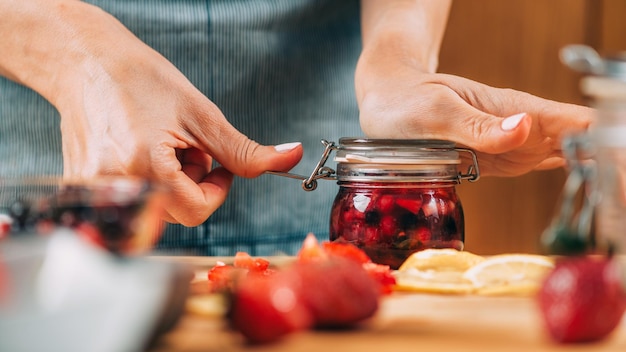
(397,197)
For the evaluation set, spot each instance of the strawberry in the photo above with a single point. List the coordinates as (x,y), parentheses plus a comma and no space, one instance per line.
(411,204)
(221,276)
(312,251)
(265,308)
(381,274)
(246,261)
(340,293)
(388,225)
(385,203)
(6,223)
(346,250)
(582,299)
(224,277)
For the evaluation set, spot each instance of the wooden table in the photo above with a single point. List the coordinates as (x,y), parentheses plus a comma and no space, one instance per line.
(405,322)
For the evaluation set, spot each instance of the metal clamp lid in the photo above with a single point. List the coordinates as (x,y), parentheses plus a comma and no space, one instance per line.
(309,183)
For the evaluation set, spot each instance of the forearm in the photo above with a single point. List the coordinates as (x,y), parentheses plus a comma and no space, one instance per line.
(47,44)
(407,32)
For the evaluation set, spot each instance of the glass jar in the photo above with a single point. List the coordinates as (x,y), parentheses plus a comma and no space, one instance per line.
(119,213)
(605,87)
(607,93)
(397,197)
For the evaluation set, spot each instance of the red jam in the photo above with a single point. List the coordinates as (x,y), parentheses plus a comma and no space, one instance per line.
(397,196)
(390,221)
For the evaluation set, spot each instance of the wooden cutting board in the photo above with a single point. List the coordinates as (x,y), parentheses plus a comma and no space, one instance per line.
(405,322)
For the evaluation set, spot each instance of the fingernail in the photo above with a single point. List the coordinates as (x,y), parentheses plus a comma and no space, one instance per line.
(511,122)
(285,147)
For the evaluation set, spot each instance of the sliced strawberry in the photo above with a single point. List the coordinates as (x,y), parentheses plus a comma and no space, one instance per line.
(388,225)
(423,234)
(246,261)
(385,203)
(411,204)
(222,276)
(346,250)
(381,274)
(311,250)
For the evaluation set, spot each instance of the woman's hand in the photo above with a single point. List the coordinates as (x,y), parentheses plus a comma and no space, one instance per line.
(401,96)
(512,132)
(126,110)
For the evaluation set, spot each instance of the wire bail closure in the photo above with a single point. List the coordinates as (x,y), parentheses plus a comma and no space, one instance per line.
(309,183)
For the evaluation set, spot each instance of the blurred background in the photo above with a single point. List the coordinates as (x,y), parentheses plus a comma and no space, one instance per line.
(515,44)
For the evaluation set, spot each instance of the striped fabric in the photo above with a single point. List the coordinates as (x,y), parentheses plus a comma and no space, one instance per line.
(280,70)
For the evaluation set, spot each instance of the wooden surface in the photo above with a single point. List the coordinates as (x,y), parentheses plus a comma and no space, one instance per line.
(404,322)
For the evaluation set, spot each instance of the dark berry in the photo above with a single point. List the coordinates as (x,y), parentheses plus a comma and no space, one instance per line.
(372,218)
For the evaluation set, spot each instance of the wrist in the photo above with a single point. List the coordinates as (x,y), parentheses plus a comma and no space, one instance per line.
(55,45)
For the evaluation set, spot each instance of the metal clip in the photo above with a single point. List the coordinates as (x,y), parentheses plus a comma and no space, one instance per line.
(324,172)
(473,172)
(320,172)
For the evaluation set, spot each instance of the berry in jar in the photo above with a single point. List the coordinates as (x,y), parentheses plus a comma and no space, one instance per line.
(391,221)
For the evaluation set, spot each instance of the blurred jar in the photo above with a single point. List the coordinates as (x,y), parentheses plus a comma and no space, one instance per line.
(121,214)
(606,89)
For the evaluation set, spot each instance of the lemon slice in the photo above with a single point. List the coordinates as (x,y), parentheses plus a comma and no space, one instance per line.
(520,272)
(445,259)
(437,271)
(432,281)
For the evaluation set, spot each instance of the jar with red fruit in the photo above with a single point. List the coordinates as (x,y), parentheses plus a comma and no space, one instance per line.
(397,197)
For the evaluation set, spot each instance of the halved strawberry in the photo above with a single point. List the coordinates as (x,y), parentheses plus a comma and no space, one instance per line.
(380,273)
(264,309)
(339,292)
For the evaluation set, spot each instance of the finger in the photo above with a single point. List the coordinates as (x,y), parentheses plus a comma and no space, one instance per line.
(241,155)
(193,193)
(192,203)
(485,132)
(195,163)
(554,119)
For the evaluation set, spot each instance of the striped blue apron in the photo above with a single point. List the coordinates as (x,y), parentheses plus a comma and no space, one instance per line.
(280,71)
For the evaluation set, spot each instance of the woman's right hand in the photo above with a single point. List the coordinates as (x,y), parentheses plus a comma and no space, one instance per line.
(126,110)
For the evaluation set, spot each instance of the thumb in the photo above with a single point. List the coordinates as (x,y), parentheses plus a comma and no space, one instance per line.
(247,158)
